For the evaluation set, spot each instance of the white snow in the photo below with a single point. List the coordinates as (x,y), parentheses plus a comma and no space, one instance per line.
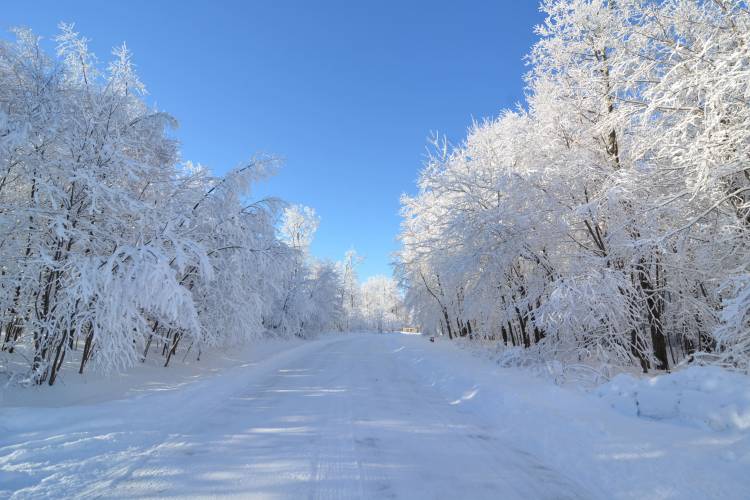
(705,396)
(146,378)
(370,416)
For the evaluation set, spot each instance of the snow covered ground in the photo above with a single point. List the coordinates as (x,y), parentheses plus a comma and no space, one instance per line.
(143,379)
(367,416)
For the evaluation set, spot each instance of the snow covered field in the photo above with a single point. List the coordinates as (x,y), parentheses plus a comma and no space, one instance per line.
(365,416)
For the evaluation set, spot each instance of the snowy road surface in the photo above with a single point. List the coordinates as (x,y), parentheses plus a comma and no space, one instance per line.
(362,416)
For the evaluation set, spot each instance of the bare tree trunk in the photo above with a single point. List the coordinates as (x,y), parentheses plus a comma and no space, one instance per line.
(175,341)
(87,349)
(148,342)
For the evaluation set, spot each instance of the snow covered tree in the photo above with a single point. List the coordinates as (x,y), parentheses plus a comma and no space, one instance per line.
(112,246)
(381,304)
(350,293)
(607,219)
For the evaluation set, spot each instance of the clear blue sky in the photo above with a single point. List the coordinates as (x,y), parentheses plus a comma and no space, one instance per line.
(347,92)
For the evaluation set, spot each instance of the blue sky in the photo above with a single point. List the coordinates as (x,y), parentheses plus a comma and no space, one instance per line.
(346,92)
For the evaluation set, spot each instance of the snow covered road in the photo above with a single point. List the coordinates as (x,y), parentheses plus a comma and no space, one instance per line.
(350,421)
(361,416)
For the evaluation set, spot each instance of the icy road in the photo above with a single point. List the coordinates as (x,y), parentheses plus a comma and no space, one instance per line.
(362,416)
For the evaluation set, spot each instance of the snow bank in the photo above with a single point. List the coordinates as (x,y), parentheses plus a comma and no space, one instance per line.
(705,396)
(146,378)
(611,452)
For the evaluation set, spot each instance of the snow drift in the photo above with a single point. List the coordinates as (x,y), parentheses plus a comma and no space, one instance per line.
(704,396)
